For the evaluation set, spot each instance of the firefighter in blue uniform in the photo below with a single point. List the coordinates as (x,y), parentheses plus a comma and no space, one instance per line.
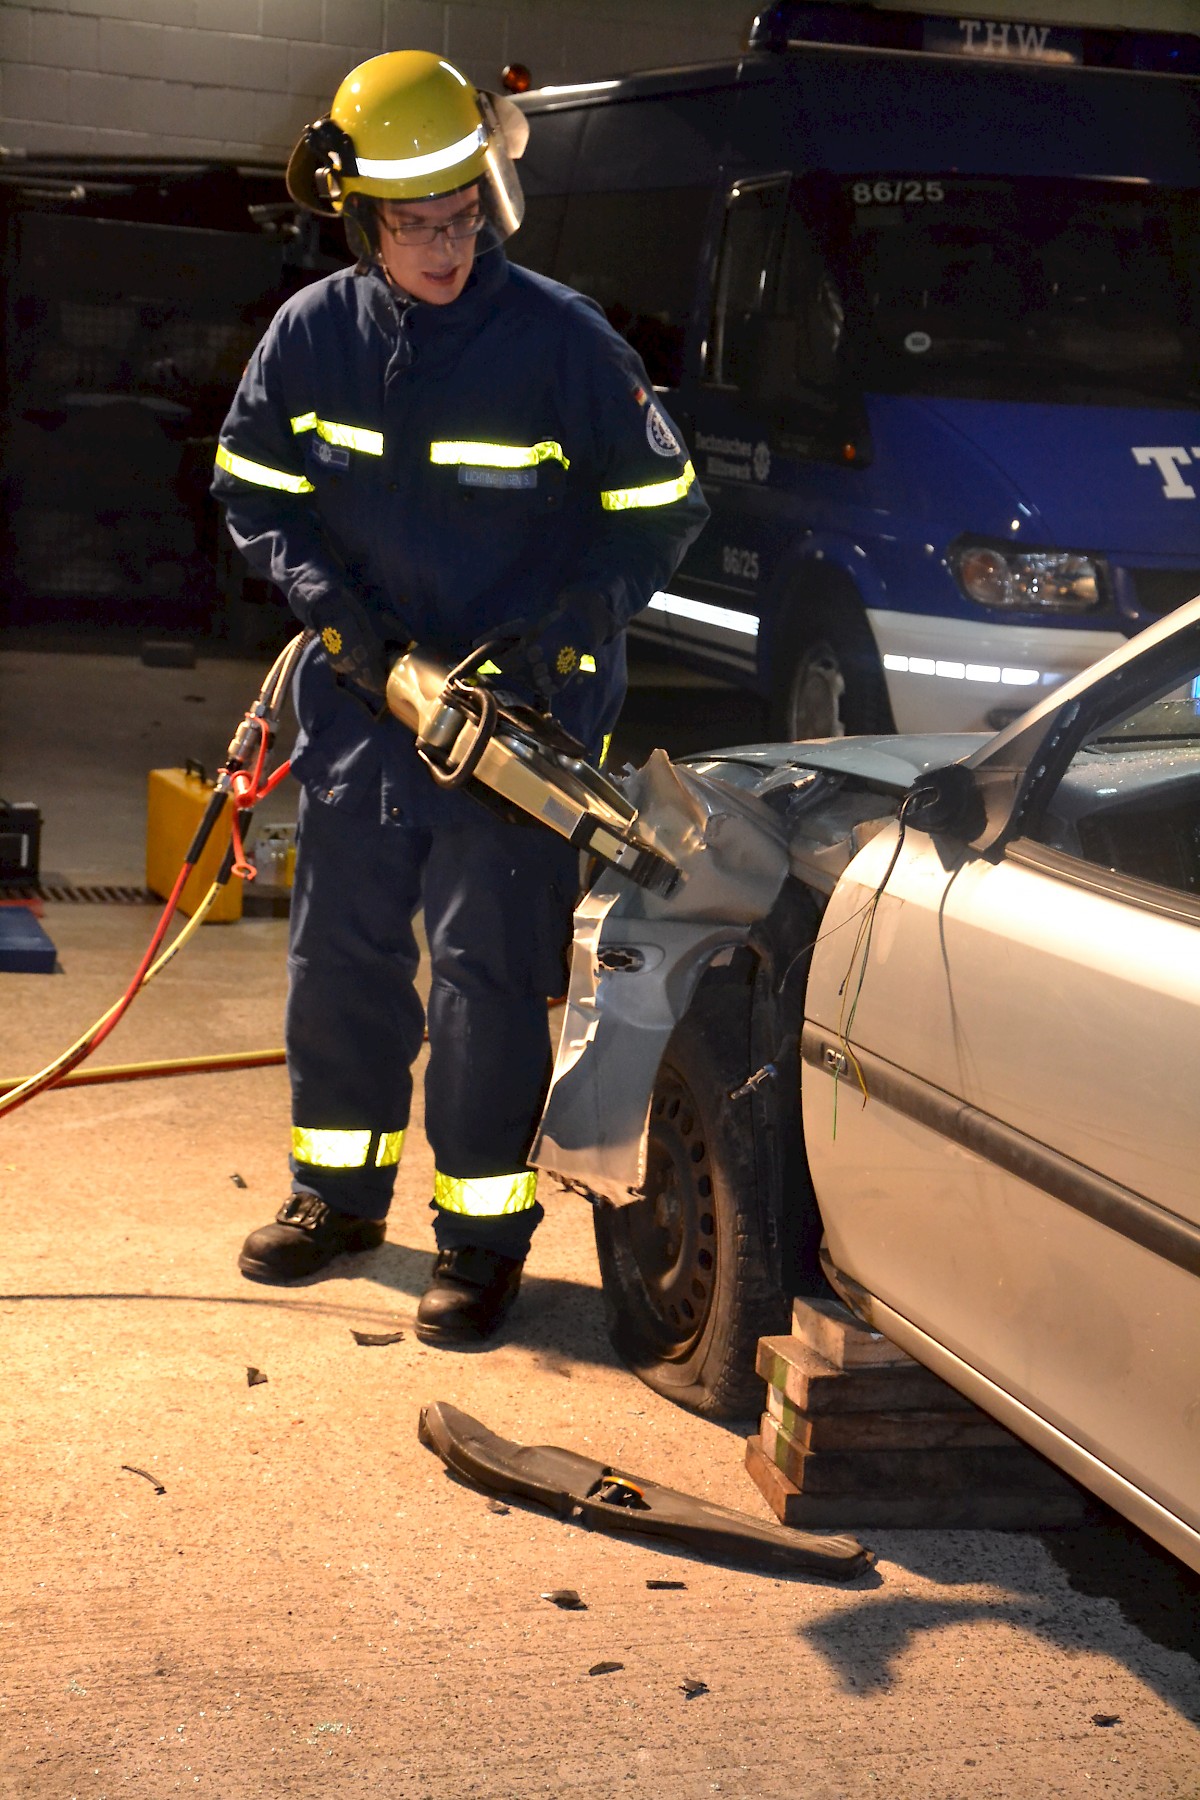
(435,446)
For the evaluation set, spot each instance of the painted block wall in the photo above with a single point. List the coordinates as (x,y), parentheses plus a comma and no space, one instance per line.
(241,77)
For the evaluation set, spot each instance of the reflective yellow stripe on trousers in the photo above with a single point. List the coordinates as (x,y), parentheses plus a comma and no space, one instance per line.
(486,1196)
(345,1149)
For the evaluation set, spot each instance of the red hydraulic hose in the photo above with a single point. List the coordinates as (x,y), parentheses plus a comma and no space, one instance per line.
(245,789)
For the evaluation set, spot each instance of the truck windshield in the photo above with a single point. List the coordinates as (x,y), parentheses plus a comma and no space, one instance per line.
(1018,288)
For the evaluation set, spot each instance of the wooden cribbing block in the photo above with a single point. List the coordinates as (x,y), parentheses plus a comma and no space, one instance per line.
(816,1386)
(996,1469)
(972,1510)
(832,1330)
(885,1430)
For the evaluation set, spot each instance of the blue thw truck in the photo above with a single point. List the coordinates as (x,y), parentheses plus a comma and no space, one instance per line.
(921,292)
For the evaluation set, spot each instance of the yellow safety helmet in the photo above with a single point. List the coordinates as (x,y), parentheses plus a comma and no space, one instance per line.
(408,126)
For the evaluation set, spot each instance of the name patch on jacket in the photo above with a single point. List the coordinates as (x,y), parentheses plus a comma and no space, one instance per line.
(471,475)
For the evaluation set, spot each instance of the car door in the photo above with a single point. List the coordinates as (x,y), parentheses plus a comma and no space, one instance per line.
(1019,1181)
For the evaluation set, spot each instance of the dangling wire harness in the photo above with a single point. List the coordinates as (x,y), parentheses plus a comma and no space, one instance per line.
(240,780)
(865,915)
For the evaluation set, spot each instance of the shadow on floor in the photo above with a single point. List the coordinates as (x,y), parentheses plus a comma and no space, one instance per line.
(1110,1560)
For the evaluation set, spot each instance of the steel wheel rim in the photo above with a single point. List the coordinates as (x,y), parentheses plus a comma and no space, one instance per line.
(673,1231)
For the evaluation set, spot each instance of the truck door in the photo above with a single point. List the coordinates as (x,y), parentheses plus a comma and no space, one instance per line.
(770,420)
(715,612)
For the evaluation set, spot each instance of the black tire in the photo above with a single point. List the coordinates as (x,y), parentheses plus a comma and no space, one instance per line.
(828,680)
(689,1282)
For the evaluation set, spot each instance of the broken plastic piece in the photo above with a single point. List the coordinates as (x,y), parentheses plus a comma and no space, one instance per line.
(570,1485)
(145,1474)
(254,1377)
(376,1337)
(605,1668)
(566,1598)
(690,1689)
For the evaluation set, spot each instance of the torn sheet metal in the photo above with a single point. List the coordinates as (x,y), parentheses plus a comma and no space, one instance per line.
(591,1493)
(636,961)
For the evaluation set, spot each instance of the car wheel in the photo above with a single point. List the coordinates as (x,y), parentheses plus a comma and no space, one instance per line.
(688,1282)
(829,680)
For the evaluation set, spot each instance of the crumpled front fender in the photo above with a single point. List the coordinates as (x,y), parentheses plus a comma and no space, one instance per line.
(635,964)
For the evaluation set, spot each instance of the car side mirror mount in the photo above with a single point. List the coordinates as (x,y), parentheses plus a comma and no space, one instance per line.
(946,802)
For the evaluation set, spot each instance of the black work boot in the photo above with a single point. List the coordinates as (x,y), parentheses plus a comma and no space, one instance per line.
(469,1295)
(305,1236)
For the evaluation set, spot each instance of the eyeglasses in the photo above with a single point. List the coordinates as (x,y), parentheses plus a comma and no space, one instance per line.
(415,231)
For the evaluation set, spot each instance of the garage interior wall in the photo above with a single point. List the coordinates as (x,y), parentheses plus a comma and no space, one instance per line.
(241,77)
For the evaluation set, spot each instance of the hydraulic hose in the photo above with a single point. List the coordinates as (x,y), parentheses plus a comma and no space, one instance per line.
(174,1065)
(242,786)
(241,783)
(217,1064)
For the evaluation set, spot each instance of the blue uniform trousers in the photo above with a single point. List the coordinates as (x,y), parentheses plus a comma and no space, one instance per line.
(497,901)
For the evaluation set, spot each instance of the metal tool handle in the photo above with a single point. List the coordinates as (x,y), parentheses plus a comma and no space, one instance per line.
(477,735)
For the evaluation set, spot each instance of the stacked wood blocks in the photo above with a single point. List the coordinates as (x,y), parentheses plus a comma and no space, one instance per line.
(857,1433)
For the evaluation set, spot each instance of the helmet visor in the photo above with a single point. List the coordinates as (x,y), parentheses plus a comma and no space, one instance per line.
(500,187)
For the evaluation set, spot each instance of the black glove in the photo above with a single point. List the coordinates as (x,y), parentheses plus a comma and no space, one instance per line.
(546,653)
(359,646)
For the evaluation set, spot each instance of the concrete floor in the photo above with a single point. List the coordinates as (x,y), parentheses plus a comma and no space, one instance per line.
(313,1607)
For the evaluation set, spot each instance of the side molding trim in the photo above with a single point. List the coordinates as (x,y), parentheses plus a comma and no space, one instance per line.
(1119,1208)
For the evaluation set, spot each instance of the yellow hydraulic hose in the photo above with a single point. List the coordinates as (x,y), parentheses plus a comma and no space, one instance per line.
(219,1064)
(12,1089)
(177,1065)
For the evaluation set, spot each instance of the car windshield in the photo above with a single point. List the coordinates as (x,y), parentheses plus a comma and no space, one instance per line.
(1173,716)
(1015,288)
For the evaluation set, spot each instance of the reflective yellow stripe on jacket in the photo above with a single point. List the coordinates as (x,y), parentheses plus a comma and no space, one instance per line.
(656,493)
(498,456)
(259,474)
(487,1196)
(348,437)
(321,1149)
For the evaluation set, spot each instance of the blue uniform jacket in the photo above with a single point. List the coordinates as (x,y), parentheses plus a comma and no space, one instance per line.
(458,466)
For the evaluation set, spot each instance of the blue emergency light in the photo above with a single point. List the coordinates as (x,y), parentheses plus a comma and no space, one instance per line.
(792,23)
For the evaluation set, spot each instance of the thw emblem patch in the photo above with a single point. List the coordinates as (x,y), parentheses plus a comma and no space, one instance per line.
(659,436)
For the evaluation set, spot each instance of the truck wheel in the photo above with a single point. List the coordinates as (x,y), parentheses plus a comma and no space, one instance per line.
(829,681)
(688,1283)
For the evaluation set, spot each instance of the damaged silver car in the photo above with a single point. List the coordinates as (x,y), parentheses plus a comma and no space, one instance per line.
(922,1017)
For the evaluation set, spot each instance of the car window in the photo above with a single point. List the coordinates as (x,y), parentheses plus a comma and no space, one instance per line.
(746,279)
(777,324)
(1129,800)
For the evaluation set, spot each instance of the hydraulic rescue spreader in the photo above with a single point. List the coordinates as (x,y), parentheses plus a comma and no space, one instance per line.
(471,735)
(507,754)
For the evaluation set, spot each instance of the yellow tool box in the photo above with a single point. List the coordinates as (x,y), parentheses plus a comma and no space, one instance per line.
(175,802)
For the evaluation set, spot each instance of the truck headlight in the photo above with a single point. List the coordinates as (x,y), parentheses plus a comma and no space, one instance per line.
(1028,580)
